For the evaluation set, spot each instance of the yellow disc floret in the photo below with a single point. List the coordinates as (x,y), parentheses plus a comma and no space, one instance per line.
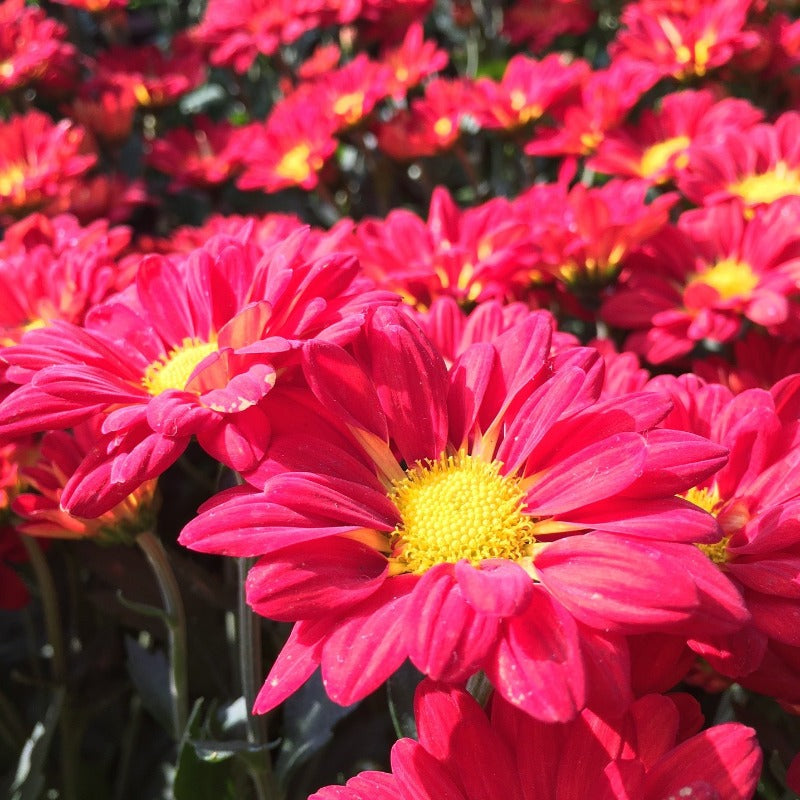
(173,370)
(458,507)
(731,278)
(767,187)
(709,500)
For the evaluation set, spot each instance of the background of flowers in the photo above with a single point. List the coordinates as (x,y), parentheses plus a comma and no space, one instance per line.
(633,169)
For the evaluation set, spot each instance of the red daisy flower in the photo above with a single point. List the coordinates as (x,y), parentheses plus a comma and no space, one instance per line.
(470,255)
(758,361)
(536,23)
(660,41)
(702,279)
(156,77)
(658,147)
(529,88)
(60,455)
(412,60)
(205,154)
(434,121)
(290,149)
(39,161)
(758,165)
(438,518)
(583,236)
(465,753)
(29,41)
(191,349)
(106,108)
(606,98)
(55,269)
(756,500)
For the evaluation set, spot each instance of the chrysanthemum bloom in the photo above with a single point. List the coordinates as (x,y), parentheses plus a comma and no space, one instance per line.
(412,60)
(29,39)
(452,330)
(529,88)
(263,231)
(536,23)
(238,31)
(657,147)
(203,155)
(434,121)
(758,166)
(606,98)
(107,195)
(191,349)
(60,455)
(55,269)
(756,500)
(39,161)
(758,360)
(349,93)
(466,753)
(289,149)
(492,517)
(325,58)
(585,235)
(106,108)
(663,42)
(469,255)
(702,279)
(156,77)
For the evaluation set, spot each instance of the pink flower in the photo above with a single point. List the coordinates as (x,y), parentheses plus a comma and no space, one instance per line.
(430,514)
(465,753)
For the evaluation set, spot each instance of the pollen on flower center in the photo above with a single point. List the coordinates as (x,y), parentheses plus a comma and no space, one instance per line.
(173,370)
(11,179)
(709,500)
(295,165)
(730,278)
(458,507)
(657,156)
(768,186)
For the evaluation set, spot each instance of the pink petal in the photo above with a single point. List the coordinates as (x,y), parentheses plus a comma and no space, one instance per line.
(594,473)
(449,639)
(294,665)
(496,587)
(299,581)
(420,776)
(537,663)
(369,645)
(723,762)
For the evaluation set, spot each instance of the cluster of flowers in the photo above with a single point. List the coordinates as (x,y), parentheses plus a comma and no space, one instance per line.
(551,439)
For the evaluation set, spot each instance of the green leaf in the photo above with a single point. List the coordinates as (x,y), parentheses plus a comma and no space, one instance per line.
(29,779)
(199,778)
(149,672)
(309,717)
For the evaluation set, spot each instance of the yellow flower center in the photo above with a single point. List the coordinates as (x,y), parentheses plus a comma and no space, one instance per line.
(709,500)
(730,278)
(768,186)
(296,165)
(443,127)
(590,140)
(525,111)
(350,107)
(656,157)
(11,179)
(173,370)
(458,507)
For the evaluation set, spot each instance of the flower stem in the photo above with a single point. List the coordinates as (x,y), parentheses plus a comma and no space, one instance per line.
(69,742)
(175,619)
(249,635)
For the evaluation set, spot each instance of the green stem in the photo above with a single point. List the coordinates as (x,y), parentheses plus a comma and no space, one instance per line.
(250,668)
(175,619)
(69,742)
